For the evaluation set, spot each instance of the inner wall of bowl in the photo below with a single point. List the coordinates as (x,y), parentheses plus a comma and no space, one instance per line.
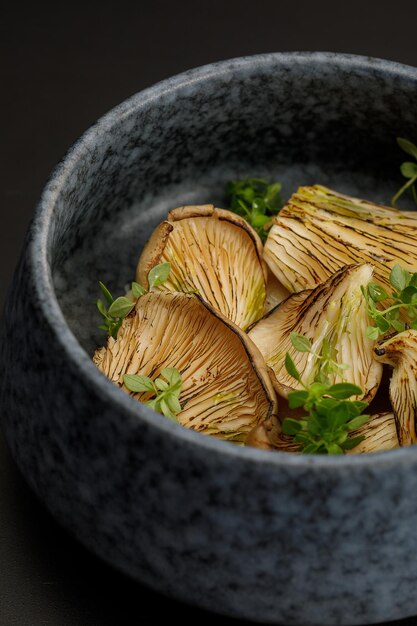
(297,119)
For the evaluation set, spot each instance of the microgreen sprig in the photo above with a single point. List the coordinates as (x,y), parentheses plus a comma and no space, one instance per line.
(165,389)
(327,364)
(118,308)
(256,200)
(401,312)
(331,415)
(408,170)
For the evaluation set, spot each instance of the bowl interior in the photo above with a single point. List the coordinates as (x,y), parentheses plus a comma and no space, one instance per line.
(295,118)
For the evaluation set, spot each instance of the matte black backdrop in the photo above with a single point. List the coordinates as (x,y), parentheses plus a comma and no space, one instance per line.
(61,67)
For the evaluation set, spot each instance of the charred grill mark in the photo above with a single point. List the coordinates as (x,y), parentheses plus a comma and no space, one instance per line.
(341,224)
(365,235)
(223,411)
(307,312)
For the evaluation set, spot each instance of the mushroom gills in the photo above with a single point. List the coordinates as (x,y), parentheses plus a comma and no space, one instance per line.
(400,351)
(334,317)
(319,231)
(379,432)
(212,252)
(226,389)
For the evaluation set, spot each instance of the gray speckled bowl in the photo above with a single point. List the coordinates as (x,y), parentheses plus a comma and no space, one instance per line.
(264,536)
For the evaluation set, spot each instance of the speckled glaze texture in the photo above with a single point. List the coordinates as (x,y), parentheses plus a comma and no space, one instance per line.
(263,536)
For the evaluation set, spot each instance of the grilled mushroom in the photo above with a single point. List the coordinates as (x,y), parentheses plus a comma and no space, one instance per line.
(379,431)
(333,316)
(275,292)
(380,434)
(319,231)
(400,352)
(226,389)
(213,252)
(268,436)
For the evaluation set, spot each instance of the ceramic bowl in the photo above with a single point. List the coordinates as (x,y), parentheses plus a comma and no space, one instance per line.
(270,537)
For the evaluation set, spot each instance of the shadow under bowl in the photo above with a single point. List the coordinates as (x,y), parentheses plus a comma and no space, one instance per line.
(264,536)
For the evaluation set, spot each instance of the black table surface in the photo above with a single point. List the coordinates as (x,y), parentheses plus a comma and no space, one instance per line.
(62,66)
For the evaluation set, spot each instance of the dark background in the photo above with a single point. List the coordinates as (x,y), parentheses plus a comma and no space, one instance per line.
(62,67)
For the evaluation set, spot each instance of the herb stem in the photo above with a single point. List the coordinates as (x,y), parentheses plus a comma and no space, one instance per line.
(393,307)
(414,193)
(400,192)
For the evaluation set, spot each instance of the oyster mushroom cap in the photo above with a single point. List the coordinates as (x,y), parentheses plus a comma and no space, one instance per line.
(400,352)
(275,292)
(379,431)
(268,436)
(334,317)
(380,434)
(213,252)
(225,389)
(319,231)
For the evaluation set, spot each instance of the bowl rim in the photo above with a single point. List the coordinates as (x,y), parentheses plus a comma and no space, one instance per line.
(43,284)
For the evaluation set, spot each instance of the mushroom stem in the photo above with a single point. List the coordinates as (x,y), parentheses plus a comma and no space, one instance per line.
(400,351)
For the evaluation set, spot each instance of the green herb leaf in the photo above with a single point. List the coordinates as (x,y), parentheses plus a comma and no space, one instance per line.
(300,342)
(333,448)
(342,391)
(408,295)
(259,221)
(173,403)
(352,442)
(165,392)
(372,332)
(297,399)
(272,199)
(160,384)
(167,411)
(112,322)
(340,415)
(325,406)
(357,422)
(172,375)
(102,309)
(377,292)
(291,426)
(138,384)
(359,405)
(382,323)
(407,146)
(312,448)
(121,307)
(106,293)
(331,415)
(256,201)
(399,277)
(292,368)
(138,290)
(316,391)
(158,274)
(409,169)
(402,306)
